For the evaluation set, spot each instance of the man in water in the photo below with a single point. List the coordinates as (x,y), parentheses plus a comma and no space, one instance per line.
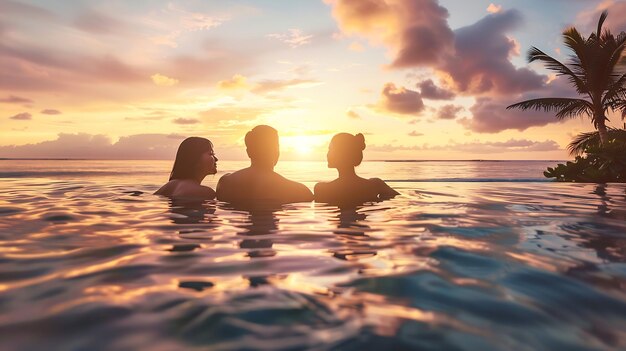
(259,183)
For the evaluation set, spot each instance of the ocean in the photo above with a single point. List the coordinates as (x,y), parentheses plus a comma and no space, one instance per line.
(473,255)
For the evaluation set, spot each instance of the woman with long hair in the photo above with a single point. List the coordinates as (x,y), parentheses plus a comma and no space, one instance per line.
(345,152)
(195,160)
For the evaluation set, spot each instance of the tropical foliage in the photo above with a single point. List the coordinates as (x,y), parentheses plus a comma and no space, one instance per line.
(595,163)
(595,70)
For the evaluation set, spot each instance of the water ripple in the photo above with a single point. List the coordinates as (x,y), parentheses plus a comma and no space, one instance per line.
(455,266)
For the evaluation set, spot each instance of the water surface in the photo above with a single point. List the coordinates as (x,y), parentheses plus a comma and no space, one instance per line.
(471,256)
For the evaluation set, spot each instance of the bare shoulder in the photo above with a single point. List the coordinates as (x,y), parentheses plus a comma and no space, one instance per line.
(178,188)
(384,190)
(166,189)
(321,191)
(225,178)
(321,186)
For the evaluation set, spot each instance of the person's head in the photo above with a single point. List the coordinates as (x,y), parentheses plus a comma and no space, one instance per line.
(194,158)
(262,145)
(345,150)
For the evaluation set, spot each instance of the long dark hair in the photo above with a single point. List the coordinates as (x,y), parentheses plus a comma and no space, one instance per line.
(187,157)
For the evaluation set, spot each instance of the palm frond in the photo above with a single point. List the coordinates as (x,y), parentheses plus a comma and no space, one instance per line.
(592,139)
(565,107)
(615,90)
(582,141)
(535,54)
(574,110)
(577,43)
(603,17)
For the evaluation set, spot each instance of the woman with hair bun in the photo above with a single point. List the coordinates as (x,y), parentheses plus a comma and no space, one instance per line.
(345,152)
(195,160)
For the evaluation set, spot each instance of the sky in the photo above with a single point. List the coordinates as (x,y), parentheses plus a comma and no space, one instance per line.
(421,79)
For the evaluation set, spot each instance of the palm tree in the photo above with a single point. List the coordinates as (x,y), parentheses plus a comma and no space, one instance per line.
(594,72)
(584,141)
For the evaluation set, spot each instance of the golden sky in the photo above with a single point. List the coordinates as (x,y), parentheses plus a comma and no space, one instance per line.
(421,79)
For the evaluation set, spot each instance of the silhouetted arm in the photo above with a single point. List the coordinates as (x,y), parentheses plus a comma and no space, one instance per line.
(321,193)
(223,190)
(384,191)
(301,193)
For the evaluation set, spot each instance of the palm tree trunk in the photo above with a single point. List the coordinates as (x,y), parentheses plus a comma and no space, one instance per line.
(604,135)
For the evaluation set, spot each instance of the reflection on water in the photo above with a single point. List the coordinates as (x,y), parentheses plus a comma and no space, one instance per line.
(454,266)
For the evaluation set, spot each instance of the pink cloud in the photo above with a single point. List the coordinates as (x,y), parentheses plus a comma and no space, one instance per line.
(266,86)
(493,8)
(140,146)
(491,116)
(12,99)
(50,112)
(96,22)
(482,63)
(474,59)
(429,90)
(9,7)
(24,116)
(400,100)
(186,121)
(615,22)
(353,114)
(477,147)
(416,31)
(449,111)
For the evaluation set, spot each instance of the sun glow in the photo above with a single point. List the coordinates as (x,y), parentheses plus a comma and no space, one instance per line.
(303,145)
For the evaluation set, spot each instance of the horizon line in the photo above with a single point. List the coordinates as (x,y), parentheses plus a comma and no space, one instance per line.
(304,160)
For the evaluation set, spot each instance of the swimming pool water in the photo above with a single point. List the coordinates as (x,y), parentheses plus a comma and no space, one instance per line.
(95,262)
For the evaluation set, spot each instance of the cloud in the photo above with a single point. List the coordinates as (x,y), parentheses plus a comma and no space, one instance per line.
(274,85)
(144,118)
(14,8)
(96,22)
(12,99)
(25,116)
(615,22)
(49,111)
(477,147)
(224,115)
(236,82)
(400,100)
(482,63)
(429,90)
(472,60)
(185,121)
(492,8)
(88,68)
(512,145)
(24,66)
(353,114)
(140,146)
(416,31)
(449,111)
(163,81)
(415,134)
(194,21)
(208,67)
(356,46)
(294,37)
(185,22)
(491,116)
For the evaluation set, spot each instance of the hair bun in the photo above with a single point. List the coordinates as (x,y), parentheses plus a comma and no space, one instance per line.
(360,140)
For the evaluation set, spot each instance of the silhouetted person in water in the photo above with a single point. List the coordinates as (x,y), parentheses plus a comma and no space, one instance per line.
(195,160)
(345,152)
(259,183)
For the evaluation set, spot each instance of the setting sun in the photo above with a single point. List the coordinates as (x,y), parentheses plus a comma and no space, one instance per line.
(305,145)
